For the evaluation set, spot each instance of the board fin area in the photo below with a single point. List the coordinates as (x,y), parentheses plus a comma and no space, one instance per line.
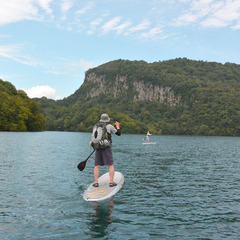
(103,191)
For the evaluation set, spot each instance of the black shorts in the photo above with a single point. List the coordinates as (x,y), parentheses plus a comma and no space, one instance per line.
(104,157)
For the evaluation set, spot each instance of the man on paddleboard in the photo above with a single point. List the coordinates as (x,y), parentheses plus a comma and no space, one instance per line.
(103,156)
(147,136)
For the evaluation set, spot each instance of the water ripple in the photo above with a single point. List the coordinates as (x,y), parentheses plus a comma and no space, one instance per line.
(180,188)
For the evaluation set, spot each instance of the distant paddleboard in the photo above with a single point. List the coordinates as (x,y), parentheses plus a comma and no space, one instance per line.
(146,143)
(103,191)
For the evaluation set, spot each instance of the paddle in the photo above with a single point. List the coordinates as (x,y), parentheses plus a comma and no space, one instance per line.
(82,164)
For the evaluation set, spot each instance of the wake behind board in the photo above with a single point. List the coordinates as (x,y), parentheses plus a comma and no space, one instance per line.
(103,191)
(146,143)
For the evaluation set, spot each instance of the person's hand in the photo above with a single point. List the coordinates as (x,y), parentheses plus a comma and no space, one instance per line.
(117,125)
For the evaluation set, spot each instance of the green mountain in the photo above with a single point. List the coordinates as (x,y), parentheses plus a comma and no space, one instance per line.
(178,96)
(17,111)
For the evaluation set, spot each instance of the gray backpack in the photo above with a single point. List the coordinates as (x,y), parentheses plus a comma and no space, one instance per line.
(100,138)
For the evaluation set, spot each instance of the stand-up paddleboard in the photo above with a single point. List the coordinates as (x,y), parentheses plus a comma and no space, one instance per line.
(146,143)
(103,191)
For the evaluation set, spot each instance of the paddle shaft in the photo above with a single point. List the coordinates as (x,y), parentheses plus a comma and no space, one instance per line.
(90,155)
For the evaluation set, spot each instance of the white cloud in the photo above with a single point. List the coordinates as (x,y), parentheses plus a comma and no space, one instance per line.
(142,26)
(89,6)
(66,5)
(13,52)
(141,30)
(227,14)
(96,22)
(41,91)
(186,19)
(45,4)
(93,25)
(152,33)
(119,29)
(237,25)
(13,11)
(213,22)
(212,13)
(76,19)
(197,11)
(204,7)
(110,25)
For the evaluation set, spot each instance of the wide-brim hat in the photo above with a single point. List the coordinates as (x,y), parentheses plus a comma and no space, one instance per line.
(104,118)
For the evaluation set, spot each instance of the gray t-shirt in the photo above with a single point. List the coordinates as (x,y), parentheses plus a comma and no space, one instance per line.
(111,129)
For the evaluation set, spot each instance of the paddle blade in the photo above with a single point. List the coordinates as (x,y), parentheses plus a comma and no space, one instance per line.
(81,165)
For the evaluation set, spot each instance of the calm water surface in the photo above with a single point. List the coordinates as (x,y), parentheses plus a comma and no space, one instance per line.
(180,188)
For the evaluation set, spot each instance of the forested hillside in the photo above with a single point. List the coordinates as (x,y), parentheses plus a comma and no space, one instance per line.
(17,111)
(178,96)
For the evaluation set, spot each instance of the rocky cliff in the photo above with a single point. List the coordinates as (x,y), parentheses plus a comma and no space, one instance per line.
(121,85)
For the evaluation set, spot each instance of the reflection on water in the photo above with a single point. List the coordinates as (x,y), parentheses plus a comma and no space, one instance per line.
(101,218)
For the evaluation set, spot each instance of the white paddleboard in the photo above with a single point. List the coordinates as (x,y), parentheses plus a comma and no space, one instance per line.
(146,143)
(103,191)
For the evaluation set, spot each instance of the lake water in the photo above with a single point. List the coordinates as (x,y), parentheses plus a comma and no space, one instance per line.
(182,187)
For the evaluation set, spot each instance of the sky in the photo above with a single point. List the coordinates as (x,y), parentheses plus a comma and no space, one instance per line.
(46,46)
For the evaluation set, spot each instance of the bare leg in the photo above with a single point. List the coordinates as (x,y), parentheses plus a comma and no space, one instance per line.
(111,172)
(96,173)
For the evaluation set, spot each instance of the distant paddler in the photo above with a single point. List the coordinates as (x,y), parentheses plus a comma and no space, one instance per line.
(147,136)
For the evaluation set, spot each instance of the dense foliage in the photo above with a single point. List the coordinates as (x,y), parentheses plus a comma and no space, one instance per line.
(209,105)
(17,111)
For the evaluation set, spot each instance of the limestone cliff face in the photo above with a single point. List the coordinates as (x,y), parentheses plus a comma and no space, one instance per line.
(149,92)
(120,86)
(101,86)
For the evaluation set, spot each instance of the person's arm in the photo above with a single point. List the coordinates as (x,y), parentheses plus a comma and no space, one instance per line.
(118,129)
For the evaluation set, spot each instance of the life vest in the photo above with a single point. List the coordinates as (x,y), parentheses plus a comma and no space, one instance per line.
(100,139)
